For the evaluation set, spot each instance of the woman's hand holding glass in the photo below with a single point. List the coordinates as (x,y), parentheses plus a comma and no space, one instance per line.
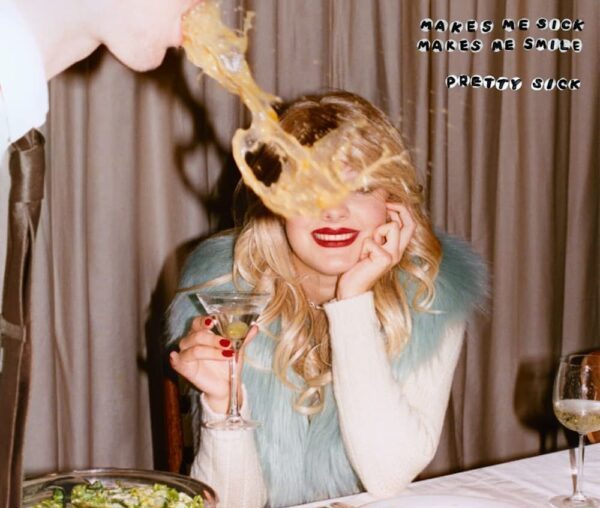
(380,253)
(203,360)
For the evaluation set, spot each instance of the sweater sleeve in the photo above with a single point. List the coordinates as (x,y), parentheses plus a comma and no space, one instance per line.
(228,462)
(390,428)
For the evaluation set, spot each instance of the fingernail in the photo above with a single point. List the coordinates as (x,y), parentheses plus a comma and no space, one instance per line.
(225,342)
(208,322)
(228,353)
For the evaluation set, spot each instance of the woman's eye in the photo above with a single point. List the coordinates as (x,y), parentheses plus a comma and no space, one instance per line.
(364,190)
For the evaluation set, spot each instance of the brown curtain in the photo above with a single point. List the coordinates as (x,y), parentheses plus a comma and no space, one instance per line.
(139,170)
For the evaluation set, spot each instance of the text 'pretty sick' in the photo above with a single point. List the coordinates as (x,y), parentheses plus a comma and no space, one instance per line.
(502,83)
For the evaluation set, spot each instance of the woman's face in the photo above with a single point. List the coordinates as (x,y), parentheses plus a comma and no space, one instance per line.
(330,244)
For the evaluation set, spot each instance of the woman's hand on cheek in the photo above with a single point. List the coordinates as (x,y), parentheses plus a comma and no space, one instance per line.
(379,254)
(401,215)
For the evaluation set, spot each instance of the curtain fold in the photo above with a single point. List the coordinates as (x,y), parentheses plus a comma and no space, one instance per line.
(140,169)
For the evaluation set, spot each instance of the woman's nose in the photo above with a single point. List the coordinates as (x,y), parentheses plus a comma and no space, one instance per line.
(335,213)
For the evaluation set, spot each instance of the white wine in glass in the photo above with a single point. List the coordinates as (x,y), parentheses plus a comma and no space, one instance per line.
(234,312)
(576,400)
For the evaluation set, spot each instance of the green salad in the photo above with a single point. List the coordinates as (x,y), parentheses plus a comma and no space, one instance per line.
(97,495)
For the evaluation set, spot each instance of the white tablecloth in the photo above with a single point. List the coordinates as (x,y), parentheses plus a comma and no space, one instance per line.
(526,483)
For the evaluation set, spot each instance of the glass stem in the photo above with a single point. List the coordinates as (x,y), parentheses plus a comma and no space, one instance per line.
(578,494)
(233,395)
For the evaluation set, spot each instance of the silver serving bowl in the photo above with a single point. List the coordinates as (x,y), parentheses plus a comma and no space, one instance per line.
(39,489)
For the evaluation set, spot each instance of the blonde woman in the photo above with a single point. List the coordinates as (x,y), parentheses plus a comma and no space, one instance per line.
(351,371)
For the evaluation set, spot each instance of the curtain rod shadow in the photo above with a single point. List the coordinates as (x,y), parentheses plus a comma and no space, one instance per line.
(171,79)
(217,204)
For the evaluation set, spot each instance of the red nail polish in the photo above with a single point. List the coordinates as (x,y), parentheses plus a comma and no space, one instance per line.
(208,322)
(228,353)
(225,342)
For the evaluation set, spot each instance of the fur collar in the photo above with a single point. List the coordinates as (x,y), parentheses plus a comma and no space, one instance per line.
(304,460)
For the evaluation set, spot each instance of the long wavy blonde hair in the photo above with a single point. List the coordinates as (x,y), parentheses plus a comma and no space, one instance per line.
(263,257)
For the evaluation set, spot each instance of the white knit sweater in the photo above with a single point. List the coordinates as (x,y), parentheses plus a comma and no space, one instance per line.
(390,429)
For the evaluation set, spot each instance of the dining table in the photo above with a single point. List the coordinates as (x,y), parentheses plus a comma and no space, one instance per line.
(524,483)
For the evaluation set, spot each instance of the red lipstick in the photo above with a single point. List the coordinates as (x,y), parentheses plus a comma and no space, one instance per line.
(329,237)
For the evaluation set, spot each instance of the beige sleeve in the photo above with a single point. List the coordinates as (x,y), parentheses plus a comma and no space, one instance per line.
(390,429)
(228,462)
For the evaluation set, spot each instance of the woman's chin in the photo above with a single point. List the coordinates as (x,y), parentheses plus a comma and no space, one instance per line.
(335,268)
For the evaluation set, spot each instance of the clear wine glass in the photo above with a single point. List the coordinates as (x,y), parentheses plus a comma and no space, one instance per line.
(234,312)
(576,401)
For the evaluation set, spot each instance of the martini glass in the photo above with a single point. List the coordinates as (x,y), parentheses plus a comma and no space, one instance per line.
(576,401)
(234,313)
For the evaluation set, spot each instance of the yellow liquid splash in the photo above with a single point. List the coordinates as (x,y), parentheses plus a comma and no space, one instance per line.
(312,178)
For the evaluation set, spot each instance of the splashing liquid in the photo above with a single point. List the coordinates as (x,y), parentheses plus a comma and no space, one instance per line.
(312,178)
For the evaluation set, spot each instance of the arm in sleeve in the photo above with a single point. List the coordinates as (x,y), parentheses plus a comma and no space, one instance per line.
(228,462)
(390,428)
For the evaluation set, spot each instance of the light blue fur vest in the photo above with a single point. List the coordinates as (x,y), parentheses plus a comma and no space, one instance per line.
(302,460)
